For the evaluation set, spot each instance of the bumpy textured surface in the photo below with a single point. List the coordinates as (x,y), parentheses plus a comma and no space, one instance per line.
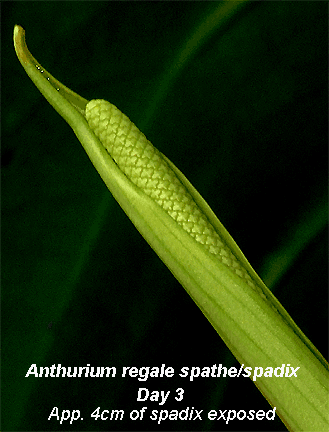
(143,165)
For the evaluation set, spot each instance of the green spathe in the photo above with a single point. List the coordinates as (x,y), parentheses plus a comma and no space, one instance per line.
(252,323)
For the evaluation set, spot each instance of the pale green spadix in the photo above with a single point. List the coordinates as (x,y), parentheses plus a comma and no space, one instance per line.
(182,229)
(144,165)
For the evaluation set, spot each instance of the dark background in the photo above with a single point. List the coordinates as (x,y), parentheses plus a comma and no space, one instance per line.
(239,104)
